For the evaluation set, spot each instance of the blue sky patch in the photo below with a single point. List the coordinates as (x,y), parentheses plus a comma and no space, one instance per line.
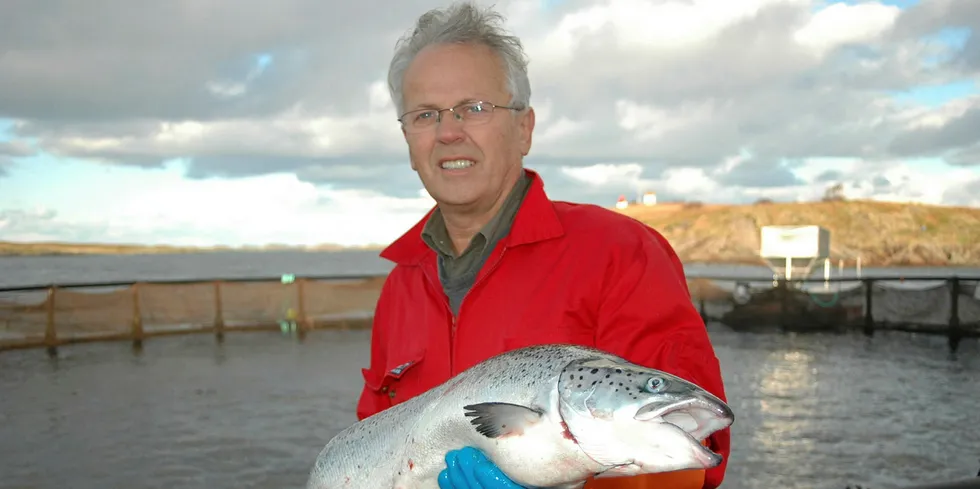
(5,126)
(936,95)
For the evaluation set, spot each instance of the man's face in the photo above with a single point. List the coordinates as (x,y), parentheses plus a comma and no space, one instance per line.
(444,76)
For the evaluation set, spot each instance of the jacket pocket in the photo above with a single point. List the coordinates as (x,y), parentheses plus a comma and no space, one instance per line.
(401,379)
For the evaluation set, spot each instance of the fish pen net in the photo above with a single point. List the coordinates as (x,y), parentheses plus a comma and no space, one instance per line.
(89,313)
(914,305)
(74,314)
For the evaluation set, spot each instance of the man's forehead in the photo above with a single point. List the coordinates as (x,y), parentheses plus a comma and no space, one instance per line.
(433,105)
(443,76)
(450,93)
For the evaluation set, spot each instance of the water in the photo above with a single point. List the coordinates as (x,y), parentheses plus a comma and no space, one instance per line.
(66,269)
(815,411)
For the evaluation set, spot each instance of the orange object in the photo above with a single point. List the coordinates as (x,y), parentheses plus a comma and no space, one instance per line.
(681,479)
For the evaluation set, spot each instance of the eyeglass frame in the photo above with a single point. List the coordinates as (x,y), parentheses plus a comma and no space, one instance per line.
(452,109)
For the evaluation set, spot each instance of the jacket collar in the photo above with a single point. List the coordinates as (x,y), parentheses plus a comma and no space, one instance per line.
(535,221)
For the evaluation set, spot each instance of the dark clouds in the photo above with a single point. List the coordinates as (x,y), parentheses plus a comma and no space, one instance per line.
(11,149)
(934,17)
(759,173)
(829,176)
(106,60)
(100,79)
(962,131)
(16,148)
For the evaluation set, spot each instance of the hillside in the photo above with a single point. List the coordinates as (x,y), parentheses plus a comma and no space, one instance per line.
(882,233)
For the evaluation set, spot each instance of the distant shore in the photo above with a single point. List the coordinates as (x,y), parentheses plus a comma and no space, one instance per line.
(881,234)
(11,248)
(52,249)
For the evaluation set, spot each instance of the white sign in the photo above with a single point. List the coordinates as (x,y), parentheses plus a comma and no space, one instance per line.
(795,242)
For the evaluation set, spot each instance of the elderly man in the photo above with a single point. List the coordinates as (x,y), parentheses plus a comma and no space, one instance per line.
(496,265)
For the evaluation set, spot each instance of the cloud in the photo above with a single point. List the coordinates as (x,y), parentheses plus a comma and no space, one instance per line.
(695,99)
(273,208)
(9,149)
(965,193)
(957,136)
(734,72)
(190,61)
(16,148)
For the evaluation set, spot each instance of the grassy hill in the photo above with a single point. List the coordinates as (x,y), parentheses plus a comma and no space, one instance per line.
(882,233)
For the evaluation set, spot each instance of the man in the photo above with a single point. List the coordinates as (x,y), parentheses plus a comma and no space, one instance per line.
(496,265)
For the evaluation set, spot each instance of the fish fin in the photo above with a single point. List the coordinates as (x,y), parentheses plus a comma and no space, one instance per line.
(497,419)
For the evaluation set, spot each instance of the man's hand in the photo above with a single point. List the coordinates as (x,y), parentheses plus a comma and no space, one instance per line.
(468,468)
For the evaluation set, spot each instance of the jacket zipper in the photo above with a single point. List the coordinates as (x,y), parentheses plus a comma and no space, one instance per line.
(452,336)
(435,282)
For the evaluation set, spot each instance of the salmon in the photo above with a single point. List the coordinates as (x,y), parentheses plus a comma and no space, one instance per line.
(546,415)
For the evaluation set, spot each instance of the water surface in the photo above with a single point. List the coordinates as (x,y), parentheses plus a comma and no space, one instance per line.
(814,411)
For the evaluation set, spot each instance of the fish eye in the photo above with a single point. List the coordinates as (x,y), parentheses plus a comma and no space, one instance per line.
(655,385)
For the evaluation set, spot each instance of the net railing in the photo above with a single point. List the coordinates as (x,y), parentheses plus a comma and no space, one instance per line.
(70,314)
(937,305)
(55,315)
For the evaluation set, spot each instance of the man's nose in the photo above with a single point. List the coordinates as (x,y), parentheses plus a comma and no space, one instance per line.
(449,127)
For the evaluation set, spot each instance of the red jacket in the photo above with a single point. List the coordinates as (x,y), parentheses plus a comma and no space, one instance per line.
(565,273)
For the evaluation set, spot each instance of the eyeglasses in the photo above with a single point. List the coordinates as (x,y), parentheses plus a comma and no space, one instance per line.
(471,113)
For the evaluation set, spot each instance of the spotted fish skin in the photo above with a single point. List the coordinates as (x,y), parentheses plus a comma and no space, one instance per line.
(515,407)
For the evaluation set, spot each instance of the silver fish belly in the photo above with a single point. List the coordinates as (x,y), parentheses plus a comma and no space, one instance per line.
(548,416)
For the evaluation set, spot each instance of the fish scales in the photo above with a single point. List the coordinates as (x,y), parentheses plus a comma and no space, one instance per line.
(515,408)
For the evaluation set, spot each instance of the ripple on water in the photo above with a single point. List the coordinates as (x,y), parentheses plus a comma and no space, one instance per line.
(813,411)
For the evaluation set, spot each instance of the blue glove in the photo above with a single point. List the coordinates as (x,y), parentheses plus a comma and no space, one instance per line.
(469,468)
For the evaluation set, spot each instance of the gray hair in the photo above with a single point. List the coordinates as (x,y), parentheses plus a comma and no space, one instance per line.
(462,23)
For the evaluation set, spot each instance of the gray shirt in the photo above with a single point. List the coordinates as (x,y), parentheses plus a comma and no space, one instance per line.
(457,273)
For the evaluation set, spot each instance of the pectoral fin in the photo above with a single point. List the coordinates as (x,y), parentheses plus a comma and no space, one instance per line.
(498,419)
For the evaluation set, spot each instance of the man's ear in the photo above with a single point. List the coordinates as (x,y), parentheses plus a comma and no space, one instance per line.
(526,128)
(410,160)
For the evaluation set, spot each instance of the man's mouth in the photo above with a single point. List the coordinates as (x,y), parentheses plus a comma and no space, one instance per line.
(456,164)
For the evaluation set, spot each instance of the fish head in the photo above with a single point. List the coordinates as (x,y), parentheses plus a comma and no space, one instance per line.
(632,420)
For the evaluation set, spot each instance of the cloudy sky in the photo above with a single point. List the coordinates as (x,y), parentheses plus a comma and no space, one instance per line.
(246,122)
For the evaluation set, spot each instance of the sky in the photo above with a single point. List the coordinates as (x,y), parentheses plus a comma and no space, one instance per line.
(246,122)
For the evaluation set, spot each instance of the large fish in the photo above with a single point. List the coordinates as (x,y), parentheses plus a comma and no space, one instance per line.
(548,416)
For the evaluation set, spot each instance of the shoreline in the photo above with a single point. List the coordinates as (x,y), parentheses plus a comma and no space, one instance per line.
(882,234)
(58,249)
(12,248)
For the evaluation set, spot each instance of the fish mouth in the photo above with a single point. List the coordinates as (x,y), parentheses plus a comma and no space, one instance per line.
(697,417)
(707,458)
